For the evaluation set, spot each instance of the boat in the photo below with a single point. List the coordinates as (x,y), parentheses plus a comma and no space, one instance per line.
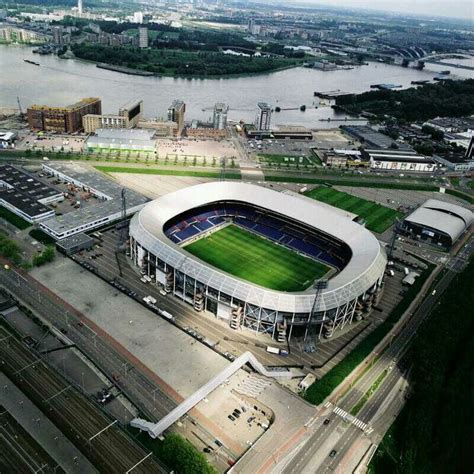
(31,62)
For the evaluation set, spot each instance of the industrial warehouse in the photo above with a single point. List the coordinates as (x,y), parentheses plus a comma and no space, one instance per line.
(108,206)
(351,260)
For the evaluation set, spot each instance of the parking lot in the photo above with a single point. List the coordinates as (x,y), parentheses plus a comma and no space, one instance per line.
(296,151)
(50,142)
(229,342)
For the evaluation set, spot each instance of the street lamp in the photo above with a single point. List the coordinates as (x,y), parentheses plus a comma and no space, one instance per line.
(308,344)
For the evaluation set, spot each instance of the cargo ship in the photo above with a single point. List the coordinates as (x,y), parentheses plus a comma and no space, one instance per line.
(31,62)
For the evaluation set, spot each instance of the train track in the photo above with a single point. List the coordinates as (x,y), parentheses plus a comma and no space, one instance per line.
(99,437)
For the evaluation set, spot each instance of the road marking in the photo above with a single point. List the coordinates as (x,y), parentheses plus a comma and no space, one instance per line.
(351,419)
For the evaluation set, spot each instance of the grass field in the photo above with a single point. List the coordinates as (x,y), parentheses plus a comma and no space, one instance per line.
(257,260)
(284,159)
(378,218)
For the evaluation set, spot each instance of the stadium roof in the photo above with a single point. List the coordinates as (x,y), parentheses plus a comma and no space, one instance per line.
(450,219)
(365,267)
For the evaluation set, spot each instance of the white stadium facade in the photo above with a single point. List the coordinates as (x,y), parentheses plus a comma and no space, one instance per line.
(160,230)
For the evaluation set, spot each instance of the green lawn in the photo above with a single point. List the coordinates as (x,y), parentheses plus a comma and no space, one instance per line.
(378,218)
(284,159)
(257,260)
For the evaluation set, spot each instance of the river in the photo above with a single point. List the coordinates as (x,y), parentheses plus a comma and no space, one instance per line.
(60,82)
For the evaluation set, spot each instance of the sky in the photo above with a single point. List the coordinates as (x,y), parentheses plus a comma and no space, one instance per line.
(449,8)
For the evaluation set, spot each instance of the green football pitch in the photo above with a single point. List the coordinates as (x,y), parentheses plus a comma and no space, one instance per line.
(257,260)
(378,218)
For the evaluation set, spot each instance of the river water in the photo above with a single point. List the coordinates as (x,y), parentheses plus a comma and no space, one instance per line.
(61,82)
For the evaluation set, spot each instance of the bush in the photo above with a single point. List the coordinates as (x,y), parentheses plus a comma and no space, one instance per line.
(322,388)
(10,249)
(46,256)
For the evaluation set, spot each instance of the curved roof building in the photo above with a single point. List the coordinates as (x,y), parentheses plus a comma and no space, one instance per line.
(439,222)
(162,228)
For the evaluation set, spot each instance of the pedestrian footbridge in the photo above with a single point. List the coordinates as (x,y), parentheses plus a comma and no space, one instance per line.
(155,429)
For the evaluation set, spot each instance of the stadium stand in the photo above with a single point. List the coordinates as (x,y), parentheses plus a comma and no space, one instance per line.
(292,235)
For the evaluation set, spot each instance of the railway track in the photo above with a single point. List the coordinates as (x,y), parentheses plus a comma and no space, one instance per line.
(99,437)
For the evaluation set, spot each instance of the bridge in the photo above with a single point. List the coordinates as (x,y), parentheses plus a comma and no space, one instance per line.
(156,429)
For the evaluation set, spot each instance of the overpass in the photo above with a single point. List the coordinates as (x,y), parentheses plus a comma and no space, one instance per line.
(155,429)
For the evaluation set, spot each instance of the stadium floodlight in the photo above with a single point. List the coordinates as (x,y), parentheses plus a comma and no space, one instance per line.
(310,335)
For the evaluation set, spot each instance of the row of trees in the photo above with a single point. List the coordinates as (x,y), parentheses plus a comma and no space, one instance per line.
(322,388)
(434,433)
(177,62)
(446,99)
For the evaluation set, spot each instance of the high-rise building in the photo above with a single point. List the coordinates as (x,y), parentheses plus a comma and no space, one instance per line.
(176,113)
(62,119)
(57,34)
(138,17)
(143,37)
(79,7)
(263,116)
(220,116)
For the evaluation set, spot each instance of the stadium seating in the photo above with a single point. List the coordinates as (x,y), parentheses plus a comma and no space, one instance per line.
(291,235)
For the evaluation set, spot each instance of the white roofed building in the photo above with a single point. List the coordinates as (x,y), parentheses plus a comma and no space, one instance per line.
(438,222)
(160,231)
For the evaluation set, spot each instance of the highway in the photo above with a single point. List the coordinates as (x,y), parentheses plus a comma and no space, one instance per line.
(338,435)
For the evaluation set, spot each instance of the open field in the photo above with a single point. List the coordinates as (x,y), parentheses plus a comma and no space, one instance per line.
(378,218)
(195,174)
(257,260)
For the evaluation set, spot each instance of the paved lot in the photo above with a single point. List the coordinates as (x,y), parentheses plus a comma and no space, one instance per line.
(397,197)
(194,147)
(154,186)
(327,139)
(174,356)
(49,142)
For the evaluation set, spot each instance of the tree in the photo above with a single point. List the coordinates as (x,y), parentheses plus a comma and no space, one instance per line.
(46,256)
(181,456)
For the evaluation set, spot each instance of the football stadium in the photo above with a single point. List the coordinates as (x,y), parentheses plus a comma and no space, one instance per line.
(276,263)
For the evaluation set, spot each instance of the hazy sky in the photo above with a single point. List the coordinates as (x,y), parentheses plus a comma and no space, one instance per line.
(452,8)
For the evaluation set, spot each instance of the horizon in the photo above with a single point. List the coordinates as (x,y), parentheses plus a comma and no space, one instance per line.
(432,8)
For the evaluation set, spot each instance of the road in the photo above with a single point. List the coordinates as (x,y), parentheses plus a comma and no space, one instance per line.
(338,435)
(150,394)
(230,341)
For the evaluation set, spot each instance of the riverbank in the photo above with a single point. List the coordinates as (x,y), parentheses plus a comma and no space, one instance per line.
(139,72)
(287,87)
(124,70)
(180,63)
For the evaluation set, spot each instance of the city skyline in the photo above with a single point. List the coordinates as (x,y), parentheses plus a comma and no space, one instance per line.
(460,9)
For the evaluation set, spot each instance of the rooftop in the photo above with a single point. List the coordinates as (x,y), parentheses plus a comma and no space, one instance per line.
(125,133)
(441,216)
(365,267)
(98,183)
